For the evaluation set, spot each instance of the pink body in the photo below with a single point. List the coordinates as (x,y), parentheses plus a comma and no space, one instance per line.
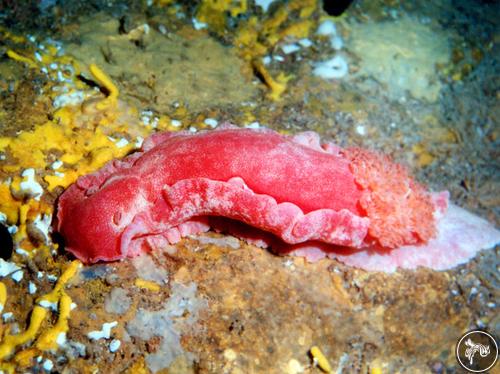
(291,187)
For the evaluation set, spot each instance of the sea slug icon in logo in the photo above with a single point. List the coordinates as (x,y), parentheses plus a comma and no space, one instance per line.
(477,351)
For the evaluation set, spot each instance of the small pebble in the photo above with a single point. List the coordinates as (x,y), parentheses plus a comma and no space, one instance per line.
(211,122)
(31,288)
(17,276)
(7,317)
(48,365)
(114,345)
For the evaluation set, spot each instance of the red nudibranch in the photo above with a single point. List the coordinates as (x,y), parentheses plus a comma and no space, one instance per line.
(293,193)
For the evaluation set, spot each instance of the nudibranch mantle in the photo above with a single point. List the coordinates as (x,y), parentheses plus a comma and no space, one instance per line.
(292,193)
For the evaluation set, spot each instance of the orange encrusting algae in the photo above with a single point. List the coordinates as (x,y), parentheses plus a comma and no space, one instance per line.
(48,339)
(10,342)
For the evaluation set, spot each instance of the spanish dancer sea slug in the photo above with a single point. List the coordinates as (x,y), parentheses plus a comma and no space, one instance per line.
(291,193)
